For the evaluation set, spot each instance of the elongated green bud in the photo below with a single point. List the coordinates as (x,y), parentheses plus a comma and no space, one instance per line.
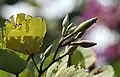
(84,43)
(65,21)
(48,51)
(73,28)
(63,31)
(79,35)
(68,28)
(82,27)
(85,25)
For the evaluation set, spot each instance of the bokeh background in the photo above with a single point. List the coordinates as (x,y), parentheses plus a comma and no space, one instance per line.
(106,32)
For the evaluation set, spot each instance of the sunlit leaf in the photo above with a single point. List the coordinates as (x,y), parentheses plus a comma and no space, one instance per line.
(88,55)
(52,48)
(52,70)
(116,66)
(49,54)
(26,73)
(77,57)
(72,71)
(57,67)
(30,71)
(5,74)
(48,60)
(108,71)
(21,55)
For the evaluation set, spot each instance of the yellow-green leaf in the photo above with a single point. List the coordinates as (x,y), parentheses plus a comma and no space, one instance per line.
(5,74)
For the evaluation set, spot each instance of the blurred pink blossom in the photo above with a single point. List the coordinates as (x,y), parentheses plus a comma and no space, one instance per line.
(107,15)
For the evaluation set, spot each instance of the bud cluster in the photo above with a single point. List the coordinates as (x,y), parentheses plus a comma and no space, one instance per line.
(71,34)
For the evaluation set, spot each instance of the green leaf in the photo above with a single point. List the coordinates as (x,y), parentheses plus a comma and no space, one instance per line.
(77,57)
(48,51)
(80,73)
(36,72)
(72,71)
(48,54)
(116,66)
(48,60)
(26,73)
(108,71)
(30,71)
(11,62)
(66,72)
(57,66)
(21,55)
(5,74)
(63,62)
(55,45)
(60,69)
(88,55)
(52,70)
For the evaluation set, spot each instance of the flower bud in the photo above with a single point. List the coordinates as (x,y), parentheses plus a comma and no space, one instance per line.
(84,43)
(72,29)
(79,35)
(82,27)
(63,31)
(85,25)
(65,21)
(68,28)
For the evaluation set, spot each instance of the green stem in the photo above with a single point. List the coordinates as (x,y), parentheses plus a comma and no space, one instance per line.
(56,53)
(34,62)
(69,60)
(28,59)
(71,40)
(42,64)
(61,41)
(41,72)
(54,57)
(16,75)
